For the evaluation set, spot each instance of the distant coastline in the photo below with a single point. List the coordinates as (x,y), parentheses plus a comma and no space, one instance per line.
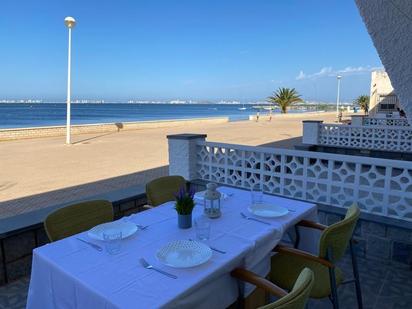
(176,101)
(23,115)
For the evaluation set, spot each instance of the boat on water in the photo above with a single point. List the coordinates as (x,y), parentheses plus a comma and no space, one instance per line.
(265,107)
(243,108)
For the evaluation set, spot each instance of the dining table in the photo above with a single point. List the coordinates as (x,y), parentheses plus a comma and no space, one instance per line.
(71,274)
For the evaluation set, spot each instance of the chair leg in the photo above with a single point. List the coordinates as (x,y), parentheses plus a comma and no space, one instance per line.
(240,298)
(297,240)
(332,279)
(333,288)
(356,275)
(240,303)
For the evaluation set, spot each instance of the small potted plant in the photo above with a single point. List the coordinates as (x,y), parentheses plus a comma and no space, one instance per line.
(184,207)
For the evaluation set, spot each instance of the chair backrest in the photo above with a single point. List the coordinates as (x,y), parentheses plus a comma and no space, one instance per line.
(336,237)
(299,294)
(163,189)
(77,218)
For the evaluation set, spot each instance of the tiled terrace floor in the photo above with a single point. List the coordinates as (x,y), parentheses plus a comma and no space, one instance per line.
(383,287)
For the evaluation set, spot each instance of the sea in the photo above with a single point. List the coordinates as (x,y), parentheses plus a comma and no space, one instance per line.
(21,115)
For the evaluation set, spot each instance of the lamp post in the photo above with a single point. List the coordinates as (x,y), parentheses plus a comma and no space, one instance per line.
(338,97)
(70,22)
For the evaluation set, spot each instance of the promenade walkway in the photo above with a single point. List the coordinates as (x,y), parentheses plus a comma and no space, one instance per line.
(42,172)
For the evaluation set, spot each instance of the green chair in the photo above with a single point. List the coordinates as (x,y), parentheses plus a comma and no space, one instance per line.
(334,240)
(77,218)
(297,297)
(163,189)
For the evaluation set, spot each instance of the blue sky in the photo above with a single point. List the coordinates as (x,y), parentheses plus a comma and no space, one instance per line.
(199,49)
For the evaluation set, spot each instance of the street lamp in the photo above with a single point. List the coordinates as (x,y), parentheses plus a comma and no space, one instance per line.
(338,97)
(70,22)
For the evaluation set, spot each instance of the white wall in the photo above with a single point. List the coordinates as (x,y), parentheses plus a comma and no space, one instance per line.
(380,85)
(389,24)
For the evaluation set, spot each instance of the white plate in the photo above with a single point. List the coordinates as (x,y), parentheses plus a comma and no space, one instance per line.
(268,210)
(184,254)
(201,195)
(127,229)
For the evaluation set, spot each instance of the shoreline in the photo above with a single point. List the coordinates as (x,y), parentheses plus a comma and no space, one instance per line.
(10,134)
(19,133)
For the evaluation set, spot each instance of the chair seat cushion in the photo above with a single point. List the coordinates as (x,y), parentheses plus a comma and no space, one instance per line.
(286,269)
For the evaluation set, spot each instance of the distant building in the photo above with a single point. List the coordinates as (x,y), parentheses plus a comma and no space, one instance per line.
(383,100)
(177,101)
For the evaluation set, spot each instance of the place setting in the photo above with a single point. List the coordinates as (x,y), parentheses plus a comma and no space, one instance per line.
(262,209)
(260,206)
(186,253)
(111,235)
(176,255)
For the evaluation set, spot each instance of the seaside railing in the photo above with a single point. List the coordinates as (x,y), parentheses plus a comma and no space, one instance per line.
(397,122)
(382,138)
(379,186)
(360,120)
(386,138)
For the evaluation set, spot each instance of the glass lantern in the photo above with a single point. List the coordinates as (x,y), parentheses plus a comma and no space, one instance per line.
(212,201)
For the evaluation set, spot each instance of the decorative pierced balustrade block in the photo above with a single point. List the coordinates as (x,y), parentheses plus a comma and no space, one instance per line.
(389,138)
(397,122)
(379,186)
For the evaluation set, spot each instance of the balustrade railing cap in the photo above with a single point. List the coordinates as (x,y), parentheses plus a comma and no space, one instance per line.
(186,136)
(320,121)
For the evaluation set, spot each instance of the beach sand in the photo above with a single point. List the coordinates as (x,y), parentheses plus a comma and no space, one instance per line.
(42,172)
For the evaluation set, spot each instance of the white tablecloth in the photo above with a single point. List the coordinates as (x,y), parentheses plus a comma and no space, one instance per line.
(70,274)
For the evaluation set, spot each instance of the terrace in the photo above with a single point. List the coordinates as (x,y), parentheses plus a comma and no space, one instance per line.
(381,141)
(333,182)
(374,121)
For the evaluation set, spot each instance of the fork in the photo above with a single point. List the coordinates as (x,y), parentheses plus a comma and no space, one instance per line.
(253,219)
(146,265)
(142,227)
(94,246)
(212,248)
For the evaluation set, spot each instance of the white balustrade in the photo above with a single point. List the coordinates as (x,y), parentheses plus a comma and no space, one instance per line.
(398,122)
(379,186)
(384,138)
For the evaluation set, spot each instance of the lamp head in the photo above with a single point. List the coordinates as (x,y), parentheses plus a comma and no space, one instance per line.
(339,77)
(70,22)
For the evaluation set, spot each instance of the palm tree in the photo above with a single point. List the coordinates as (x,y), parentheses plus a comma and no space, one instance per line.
(284,97)
(363,102)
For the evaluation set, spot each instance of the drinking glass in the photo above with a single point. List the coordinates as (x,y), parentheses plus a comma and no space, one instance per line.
(127,218)
(202,227)
(113,240)
(256,195)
